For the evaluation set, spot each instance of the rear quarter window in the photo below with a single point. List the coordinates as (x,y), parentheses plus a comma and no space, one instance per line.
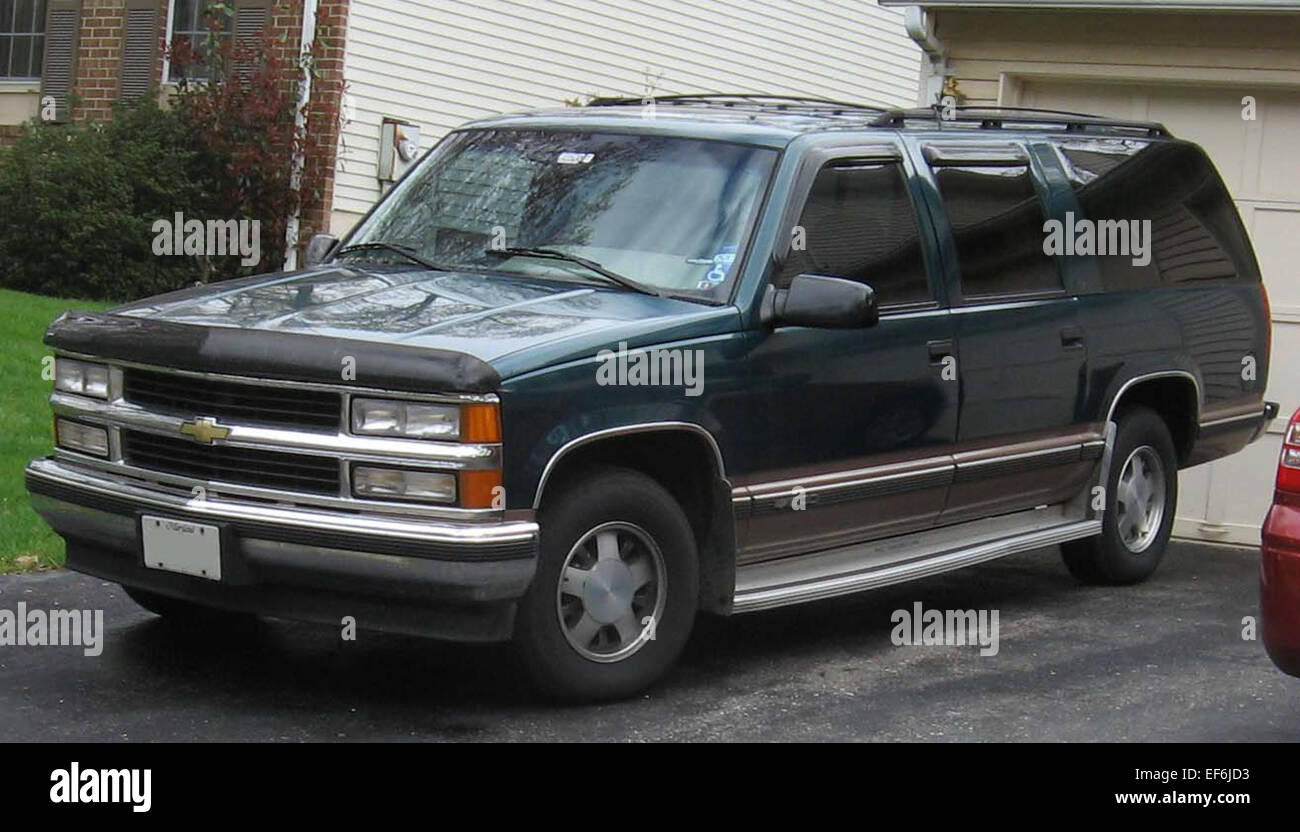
(1196,235)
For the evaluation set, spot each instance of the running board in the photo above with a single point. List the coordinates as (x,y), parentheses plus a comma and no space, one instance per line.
(879,563)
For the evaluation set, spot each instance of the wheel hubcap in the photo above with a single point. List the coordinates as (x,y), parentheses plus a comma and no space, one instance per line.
(611,592)
(1140,499)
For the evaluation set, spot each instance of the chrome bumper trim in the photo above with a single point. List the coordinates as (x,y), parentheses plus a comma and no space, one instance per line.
(382,527)
(149,478)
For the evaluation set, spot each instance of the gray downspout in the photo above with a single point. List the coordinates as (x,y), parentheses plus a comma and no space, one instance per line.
(920,28)
(305,42)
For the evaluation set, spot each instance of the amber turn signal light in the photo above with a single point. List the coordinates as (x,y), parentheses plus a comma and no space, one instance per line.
(482,489)
(480,423)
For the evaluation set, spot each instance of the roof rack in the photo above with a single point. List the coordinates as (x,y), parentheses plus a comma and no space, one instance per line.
(995,118)
(747,101)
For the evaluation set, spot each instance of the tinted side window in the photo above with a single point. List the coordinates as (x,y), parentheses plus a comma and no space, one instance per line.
(1196,235)
(858,223)
(997,223)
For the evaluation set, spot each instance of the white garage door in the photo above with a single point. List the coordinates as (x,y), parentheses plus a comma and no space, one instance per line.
(1227,500)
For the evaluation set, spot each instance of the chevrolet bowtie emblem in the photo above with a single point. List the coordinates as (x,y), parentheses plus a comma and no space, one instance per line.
(204,430)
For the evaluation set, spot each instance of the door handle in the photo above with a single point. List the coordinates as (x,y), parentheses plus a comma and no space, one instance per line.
(1071,336)
(939,350)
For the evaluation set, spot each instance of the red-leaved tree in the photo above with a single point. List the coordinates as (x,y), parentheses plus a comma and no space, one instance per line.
(240,103)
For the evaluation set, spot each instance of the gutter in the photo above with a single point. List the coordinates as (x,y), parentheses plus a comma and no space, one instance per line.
(920,28)
(1114,5)
(305,41)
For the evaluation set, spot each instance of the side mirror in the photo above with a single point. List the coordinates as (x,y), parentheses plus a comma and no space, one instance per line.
(318,248)
(824,302)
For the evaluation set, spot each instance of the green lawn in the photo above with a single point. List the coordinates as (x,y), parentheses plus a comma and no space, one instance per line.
(26,543)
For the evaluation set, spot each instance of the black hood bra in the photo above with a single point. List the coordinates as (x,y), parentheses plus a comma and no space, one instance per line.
(286,356)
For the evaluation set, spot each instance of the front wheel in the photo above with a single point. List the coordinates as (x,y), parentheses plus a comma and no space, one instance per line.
(1141,495)
(616,589)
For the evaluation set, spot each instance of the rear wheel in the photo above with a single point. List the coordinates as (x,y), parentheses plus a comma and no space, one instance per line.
(616,589)
(1141,494)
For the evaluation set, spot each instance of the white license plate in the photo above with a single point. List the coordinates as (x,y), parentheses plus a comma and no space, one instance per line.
(181,546)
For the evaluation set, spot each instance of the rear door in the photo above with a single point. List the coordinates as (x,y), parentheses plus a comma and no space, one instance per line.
(1021,439)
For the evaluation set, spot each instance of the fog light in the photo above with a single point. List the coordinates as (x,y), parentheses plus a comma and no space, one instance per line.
(84,438)
(403,484)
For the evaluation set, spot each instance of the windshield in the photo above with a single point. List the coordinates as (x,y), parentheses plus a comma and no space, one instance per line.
(672,214)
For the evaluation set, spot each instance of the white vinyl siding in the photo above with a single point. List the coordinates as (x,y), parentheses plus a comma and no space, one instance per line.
(440,63)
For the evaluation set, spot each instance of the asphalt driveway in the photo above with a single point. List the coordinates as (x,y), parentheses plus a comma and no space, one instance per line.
(1162,661)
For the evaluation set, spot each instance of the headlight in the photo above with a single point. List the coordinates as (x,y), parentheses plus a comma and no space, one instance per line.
(471,422)
(413,420)
(403,484)
(81,377)
(78,437)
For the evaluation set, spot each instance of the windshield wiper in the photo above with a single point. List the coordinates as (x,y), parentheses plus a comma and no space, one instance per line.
(590,265)
(406,251)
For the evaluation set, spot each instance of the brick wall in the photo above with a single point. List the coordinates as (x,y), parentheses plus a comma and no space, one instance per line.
(327,96)
(99,53)
(10,133)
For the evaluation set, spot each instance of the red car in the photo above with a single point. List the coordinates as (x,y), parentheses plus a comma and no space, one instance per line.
(1279,570)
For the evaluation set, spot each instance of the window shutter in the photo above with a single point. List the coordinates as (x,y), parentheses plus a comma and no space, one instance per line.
(62,22)
(139,49)
(251,17)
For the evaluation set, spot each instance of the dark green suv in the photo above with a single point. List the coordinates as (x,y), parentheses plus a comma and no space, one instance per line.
(584,374)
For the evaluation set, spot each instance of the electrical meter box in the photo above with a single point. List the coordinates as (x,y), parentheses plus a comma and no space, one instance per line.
(399,147)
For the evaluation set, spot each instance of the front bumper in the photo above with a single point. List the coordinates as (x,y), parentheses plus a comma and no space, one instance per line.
(400,574)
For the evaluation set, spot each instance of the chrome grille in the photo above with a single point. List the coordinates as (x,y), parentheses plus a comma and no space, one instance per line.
(233,401)
(238,466)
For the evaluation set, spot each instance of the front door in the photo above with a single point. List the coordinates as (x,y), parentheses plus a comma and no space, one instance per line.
(859,423)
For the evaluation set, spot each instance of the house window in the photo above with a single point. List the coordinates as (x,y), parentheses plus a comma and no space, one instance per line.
(22,38)
(191,24)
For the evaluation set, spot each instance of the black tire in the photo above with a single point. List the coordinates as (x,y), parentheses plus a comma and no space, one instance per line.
(638,512)
(1106,558)
(184,613)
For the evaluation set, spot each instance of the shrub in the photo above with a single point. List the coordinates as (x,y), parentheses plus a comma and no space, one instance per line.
(77,204)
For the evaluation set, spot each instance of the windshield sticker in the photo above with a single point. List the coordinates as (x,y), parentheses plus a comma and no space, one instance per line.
(722,262)
(570,157)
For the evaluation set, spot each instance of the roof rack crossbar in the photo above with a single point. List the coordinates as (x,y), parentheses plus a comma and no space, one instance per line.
(997,117)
